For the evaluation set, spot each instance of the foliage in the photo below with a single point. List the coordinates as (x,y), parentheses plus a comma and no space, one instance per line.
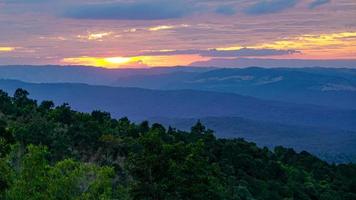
(49,152)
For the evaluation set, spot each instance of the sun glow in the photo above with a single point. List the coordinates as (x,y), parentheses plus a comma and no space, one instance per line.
(109,62)
(118,60)
(138,61)
(6,49)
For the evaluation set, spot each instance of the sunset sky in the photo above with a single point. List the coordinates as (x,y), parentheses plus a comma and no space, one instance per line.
(148,33)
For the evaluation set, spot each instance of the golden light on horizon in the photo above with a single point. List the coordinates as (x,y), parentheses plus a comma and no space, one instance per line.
(6,49)
(136,61)
(109,62)
(309,41)
(338,45)
(118,60)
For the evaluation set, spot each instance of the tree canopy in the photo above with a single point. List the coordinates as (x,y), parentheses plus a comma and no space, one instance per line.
(54,152)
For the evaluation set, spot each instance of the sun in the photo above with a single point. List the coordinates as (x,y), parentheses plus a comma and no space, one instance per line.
(118,60)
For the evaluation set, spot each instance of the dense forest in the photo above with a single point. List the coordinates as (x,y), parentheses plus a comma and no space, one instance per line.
(49,152)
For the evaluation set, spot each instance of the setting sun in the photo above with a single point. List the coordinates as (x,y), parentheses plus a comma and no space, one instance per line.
(118,60)
(136,61)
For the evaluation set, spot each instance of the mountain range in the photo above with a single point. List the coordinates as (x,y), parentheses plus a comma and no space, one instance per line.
(331,87)
(305,108)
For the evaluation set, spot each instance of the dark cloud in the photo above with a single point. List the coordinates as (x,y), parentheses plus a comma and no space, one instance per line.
(270,6)
(226,53)
(318,3)
(141,10)
(225,10)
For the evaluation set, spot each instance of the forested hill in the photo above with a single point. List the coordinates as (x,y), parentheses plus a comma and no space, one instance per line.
(49,152)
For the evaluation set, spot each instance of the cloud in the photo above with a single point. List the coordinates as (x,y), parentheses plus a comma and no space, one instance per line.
(159,28)
(167,27)
(270,6)
(141,10)
(244,52)
(226,10)
(247,62)
(23,1)
(318,3)
(95,36)
(334,42)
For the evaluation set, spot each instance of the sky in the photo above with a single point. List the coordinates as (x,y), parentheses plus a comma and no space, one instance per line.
(149,33)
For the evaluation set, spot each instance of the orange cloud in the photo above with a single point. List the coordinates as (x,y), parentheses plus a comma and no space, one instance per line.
(317,46)
(310,41)
(171,60)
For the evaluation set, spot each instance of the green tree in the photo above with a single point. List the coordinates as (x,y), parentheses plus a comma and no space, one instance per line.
(37,180)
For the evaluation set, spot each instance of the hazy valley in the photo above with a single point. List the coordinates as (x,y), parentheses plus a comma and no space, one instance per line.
(307,109)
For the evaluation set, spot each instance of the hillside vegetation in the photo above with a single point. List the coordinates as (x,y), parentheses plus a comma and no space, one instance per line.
(49,152)
(323,131)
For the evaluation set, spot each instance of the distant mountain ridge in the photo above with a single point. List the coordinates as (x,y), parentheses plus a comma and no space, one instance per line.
(80,74)
(139,103)
(321,130)
(326,87)
(332,87)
